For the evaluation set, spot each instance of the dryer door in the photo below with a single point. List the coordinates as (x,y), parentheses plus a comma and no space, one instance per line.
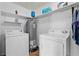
(50,47)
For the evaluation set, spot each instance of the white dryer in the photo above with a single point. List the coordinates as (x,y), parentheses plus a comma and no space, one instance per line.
(54,44)
(17,44)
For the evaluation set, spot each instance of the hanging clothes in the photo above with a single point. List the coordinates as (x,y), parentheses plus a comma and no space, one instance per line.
(76,26)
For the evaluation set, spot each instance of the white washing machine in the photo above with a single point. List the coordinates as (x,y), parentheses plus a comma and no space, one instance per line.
(17,44)
(54,44)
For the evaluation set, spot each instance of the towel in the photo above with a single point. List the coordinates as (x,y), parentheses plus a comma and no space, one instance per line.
(76,26)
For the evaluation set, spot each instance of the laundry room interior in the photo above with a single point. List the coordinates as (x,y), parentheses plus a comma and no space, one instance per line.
(39,28)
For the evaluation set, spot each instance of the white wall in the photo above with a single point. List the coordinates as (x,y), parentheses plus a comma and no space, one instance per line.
(57,21)
(44,24)
(61,20)
(11,7)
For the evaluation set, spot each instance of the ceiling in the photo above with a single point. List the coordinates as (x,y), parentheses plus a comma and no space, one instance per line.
(31,5)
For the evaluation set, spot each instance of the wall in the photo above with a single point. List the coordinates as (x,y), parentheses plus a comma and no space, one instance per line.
(10,7)
(56,21)
(61,20)
(44,24)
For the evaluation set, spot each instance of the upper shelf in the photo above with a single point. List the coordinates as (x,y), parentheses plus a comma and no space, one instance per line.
(6,23)
(6,14)
(59,10)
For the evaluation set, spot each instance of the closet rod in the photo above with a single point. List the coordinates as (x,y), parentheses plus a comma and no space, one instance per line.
(59,10)
(7,14)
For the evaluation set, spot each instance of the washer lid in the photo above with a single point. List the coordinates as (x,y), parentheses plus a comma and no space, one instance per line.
(55,35)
